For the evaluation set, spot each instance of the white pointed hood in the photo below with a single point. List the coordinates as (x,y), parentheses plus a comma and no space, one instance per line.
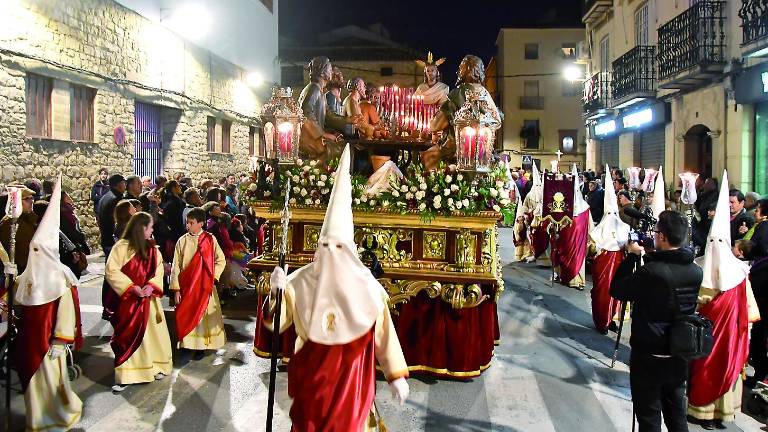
(535,199)
(722,270)
(611,234)
(658,204)
(45,278)
(579,204)
(337,298)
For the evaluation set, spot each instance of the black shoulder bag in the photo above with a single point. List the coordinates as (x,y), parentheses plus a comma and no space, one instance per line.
(690,336)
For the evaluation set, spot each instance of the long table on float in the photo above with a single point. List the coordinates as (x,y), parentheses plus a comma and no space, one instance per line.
(402,151)
(443,278)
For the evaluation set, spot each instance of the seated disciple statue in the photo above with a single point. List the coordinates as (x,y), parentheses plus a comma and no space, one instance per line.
(434,91)
(471,75)
(315,141)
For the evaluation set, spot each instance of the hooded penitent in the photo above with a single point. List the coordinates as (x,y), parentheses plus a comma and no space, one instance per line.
(610,237)
(571,248)
(658,203)
(337,297)
(43,282)
(533,204)
(713,376)
(45,278)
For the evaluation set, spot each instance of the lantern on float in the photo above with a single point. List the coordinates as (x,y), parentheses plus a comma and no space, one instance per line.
(688,195)
(634,178)
(475,134)
(282,119)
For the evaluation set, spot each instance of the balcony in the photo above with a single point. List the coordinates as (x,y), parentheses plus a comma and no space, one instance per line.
(754,24)
(531,102)
(692,46)
(634,76)
(597,95)
(594,9)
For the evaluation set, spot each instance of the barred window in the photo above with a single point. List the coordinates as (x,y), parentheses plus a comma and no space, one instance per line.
(81,113)
(38,95)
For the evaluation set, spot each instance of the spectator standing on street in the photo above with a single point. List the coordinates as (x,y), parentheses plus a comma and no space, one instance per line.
(133,187)
(70,227)
(750,203)
(595,199)
(106,219)
(740,220)
(669,277)
(192,199)
(758,277)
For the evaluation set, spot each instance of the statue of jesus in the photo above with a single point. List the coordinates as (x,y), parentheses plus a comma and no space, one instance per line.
(434,91)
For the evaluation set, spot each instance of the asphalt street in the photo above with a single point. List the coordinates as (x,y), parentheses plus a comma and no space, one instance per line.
(550,373)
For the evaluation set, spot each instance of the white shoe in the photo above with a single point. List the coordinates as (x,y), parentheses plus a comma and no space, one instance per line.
(159,376)
(117,388)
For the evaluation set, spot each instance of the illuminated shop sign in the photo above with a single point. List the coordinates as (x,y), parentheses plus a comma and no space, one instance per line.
(605,128)
(637,119)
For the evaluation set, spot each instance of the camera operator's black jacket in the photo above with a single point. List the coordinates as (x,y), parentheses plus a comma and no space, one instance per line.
(650,290)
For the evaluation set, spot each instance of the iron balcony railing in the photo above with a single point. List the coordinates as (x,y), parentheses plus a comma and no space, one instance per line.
(597,92)
(634,72)
(531,102)
(754,20)
(695,37)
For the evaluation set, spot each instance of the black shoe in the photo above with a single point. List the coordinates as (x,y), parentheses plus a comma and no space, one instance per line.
(198,355)
(719,424)
(613,327)
(707,424)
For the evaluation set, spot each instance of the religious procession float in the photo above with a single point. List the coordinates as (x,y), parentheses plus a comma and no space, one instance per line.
(428,196)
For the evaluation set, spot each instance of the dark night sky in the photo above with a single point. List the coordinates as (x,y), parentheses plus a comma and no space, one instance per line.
(445,28)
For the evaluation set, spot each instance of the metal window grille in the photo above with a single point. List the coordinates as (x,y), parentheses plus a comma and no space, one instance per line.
(148,144)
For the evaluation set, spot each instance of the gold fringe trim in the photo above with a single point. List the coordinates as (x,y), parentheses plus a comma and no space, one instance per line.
(445,372)
(267,355)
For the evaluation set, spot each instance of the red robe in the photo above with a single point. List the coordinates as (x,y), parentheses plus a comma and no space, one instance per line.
(604,307)
(714,375)
(196,285)
(571,248)
(539,239)
(36,325)
(132,314)
(332,386)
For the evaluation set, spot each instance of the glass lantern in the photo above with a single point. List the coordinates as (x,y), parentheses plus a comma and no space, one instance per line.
(475,134)
(282,119)
(688,195)
(634,177)
(649,181)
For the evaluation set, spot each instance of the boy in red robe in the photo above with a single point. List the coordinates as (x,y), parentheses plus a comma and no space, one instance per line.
(197,264)
(343,327)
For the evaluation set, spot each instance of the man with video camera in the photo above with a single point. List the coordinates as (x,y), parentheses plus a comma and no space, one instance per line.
(668,277)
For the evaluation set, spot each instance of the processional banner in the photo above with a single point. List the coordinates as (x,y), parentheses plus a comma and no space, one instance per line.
(558,198)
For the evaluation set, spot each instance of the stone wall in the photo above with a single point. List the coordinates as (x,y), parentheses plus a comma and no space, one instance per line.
(125,58)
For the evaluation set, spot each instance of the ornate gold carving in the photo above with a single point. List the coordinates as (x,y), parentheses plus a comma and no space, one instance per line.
(400,291)
(434,245)
(386,240)
(456,296)
(311,234)
(459,297)
(262,284)
(465,250)
(274,250)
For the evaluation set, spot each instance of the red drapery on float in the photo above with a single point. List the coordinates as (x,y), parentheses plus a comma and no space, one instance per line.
(540,239)
(435,338)
(714,375)
(332,386)
(196,285)
(132,315)
(36,326)
(604,307)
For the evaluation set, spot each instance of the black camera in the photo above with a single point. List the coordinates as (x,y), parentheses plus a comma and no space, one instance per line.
(642,238)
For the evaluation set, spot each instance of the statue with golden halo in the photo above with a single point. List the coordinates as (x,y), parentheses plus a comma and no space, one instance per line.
(434,91)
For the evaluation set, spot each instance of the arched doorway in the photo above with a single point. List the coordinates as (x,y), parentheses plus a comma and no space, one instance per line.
(697,150)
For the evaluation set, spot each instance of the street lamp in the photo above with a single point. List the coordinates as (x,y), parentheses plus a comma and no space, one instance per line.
(573,73)
(474,135)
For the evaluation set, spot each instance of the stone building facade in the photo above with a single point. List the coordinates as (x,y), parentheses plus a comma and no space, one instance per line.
(54,52)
